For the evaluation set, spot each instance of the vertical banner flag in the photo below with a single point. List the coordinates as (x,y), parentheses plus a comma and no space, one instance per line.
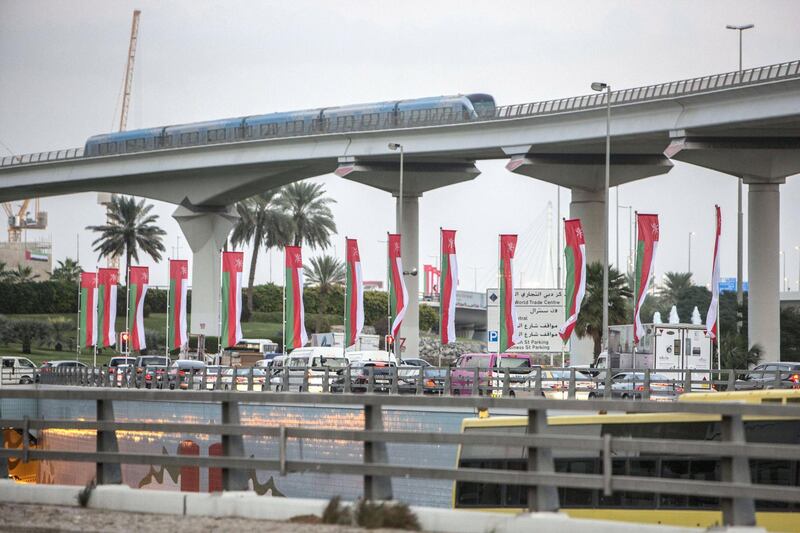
(107,280)
(711,316)
(231,308)
(88,309)
(398,295)
(354,295)
(178,285)
(138,281)
(293,311)
(509,334)
(575,260)
(645,265)
(448,283)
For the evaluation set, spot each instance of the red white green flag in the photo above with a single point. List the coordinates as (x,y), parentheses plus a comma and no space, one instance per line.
(178,284)
(398,294)
(711,316)
(645,265)
(354,295)
(448,283)
(107,280)
(88,310)
(231,308)
(575,256)
(295,335)
(138,281)
(509,328)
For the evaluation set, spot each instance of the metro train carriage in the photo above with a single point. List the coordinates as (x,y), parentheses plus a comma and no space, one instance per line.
(358,117)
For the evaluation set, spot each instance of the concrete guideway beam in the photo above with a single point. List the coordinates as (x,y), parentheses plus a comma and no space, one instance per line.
(418,178)
(763,164)
(584,174)
(206,230)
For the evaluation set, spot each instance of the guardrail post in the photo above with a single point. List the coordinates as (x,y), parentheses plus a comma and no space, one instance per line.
(607,385)
(326,381)
(285,379)
(447,382)
(204,379)
(106,442)
(304,388)
(646,391)
(541,498)
(571,393)
(506,383)
(250,379)
(736,511)
(537,385)
(420,380)
(687,386)
(370,379)
(475,377)
(232,446)
(348,380)
(375,487)
(777,379)
(731,380)
(394,372)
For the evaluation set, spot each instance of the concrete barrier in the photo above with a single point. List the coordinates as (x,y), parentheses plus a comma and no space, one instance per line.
(247,504)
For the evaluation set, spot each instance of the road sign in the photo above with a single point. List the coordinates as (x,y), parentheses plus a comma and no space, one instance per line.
(540,312)
(494,336)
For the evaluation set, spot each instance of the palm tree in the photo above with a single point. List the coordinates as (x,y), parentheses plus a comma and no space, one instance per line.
(5,274)
(129,228)
(264,223)
(308,208)
(67,270)
(675,286)
(590,319)
(325,273)
(23,274)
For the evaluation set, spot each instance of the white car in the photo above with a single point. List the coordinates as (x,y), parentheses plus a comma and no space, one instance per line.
(18,370)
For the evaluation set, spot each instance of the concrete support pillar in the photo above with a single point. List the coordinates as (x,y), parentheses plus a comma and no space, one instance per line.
(588,206)
(410,253)
(206,230)
(763,268)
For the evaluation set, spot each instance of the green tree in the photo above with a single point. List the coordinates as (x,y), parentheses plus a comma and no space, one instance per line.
(60,327)
(23,274)
(130,227)
(590,319)
(735,353)
(27,331)
(309,211)
(790,334)
(324,273)
(262,222)
(67,270)
(675,285)
(5,274)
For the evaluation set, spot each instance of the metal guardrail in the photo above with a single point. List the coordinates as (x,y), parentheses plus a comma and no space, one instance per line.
(734,489)
(554,383)
(440,117)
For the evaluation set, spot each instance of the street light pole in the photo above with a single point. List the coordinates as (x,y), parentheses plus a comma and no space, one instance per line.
(740,214)
(798,266)
(599,86)
(691,233)
(397,146)
(783,255)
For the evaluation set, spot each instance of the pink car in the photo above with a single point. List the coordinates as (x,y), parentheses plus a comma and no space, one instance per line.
(490,368)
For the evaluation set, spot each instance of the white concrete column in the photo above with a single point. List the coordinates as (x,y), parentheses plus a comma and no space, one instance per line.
(763,268)
(206,232)
(588,206)
(410,254)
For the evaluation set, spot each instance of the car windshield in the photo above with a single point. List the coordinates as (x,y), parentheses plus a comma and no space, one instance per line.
(121,361)
(330,362)
(477,362)
(514,362)
(151,361)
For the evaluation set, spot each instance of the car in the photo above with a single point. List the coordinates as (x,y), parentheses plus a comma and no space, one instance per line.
(305,369)
(18,370)
(212,376)
(782,375)
(117,366)
(555,385)
(259,376)
(61,364)
(631,386)
(155,376)
(490,369)
(383,375)
(185,374)
(143,361)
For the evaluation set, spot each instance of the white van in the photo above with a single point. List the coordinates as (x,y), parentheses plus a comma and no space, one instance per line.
(18,370)
(378,356)
(307,367)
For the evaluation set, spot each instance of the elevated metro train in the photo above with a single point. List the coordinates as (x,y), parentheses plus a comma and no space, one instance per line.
(359,117)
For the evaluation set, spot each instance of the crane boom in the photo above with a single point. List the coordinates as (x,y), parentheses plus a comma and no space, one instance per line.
(126,95)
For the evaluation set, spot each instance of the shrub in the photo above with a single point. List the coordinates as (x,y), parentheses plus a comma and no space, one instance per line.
(26,332)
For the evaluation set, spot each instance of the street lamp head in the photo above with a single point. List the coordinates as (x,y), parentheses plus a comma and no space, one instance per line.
(412,272)
(599,86)
(741,27)
(394,146)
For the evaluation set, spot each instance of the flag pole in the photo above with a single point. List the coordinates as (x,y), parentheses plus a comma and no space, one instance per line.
(441,301)
(344,303)
(502,304)
(388,293)
(219,310)
(78,333)
(94,351)
(169,292)
(635,293)
(127,307)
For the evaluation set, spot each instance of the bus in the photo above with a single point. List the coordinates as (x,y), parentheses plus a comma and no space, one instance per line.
(640,507)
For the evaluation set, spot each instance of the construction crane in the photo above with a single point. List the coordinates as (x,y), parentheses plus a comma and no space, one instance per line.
(22,219)
(104,198)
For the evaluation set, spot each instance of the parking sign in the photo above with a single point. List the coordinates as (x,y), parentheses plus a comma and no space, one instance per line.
(493,336)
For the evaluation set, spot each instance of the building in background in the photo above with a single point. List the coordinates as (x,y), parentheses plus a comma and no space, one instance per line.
(38,255)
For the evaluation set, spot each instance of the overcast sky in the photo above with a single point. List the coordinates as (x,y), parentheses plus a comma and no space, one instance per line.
(62,65)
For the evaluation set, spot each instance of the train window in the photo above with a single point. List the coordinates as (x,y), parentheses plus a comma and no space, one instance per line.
(216,135)
(190,138)
(134,145)
(107,148)
(415,115)
(295,126)
(269,130)
(163,141)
